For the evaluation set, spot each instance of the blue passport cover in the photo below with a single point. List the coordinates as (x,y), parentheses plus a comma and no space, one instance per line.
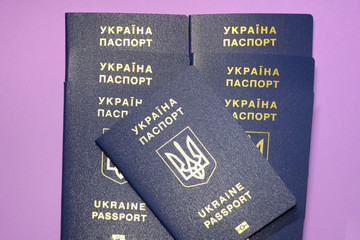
(103,86)
(283,140)
(128,32)
(285,34)
(195,167)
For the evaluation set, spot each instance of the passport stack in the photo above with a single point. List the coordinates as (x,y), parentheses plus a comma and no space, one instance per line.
(261,69)
(114,62)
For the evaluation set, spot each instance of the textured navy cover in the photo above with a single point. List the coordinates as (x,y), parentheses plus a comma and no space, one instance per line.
(221,156)
(90,181)
(167,34)
(286,141)
(293,33)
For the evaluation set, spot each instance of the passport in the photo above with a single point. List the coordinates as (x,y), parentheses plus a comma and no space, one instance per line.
(102,86)
(284,34)
(128,32)
(261,73)
(194,166)
(284,137)
(130,70)
(97,201)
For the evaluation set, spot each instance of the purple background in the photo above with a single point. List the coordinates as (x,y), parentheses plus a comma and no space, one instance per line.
(32,71)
